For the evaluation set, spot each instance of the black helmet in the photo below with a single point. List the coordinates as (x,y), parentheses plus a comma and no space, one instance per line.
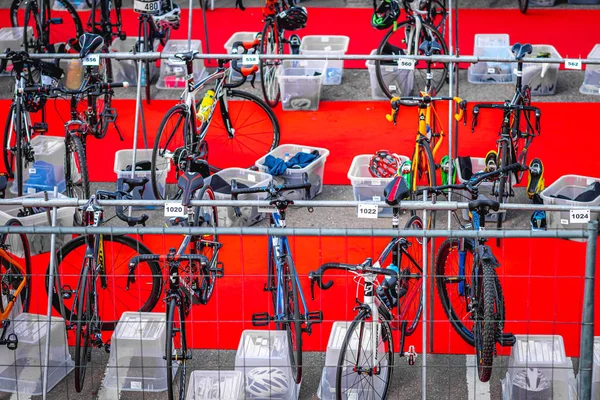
(293,18)
(386,14)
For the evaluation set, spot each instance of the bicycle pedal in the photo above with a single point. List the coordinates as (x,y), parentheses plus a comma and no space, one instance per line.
(220,270)
(40,127)
(109,115)
(67,292)
(411,354)
(316,317)
(12,342)
(122,35)
(507,339)
(261,319)
(107,347)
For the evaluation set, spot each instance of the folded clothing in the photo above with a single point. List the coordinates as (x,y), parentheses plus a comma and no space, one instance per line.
(220,185)
(591,193)
(278,166)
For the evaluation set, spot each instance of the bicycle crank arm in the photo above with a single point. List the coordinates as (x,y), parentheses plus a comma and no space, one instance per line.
(261,319)
(506,339)
(179,357)
(315,317)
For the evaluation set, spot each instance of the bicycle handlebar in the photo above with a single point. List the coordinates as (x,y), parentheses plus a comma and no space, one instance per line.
(506,107)
(99,87)
(170,258)
(245,71)
(423,101)
(122,193)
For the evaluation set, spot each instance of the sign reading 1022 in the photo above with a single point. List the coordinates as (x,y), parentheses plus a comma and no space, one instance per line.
(368,211)
(174,210)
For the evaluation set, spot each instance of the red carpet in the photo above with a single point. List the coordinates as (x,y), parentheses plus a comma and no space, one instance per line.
(535,27)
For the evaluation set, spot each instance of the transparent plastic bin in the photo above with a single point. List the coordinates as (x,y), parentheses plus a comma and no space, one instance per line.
(51,150)
(540,359)
(240,37)
(20,370)
(365,186)
(491,45)
(584,1)
(123,160)
(40,243)
(591,81)
(541,78)
(596,370)
(570,186)
(294,176)
(12,38)
(331,46)
(215,385)
(392,76)
(326,390)
(126,70)
(541,3)
(250,215)
(172,73)
(44,176)
(137,349)
(300,83)
(265,353)
(79,5)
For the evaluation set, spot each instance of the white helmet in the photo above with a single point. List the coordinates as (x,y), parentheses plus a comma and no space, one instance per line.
(267,382)
(169,19)
(530,381)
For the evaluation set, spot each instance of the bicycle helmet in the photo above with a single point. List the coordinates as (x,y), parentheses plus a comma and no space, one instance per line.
(538,220)
(170,19)
(386,14)
(384,164)
(293,18)
(531,383)
(267,382)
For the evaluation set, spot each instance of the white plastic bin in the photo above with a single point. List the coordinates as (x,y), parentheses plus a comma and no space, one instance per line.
(485,189)
(80,5)
(300,83)
(20,370)
(591,82)
(365,186)
(570,186)
(246,178)
(541,3)
(399,80)
(542,78)
(40,243)
(333,46)
(240,37)
(491,45)
(123,160)
(172,73)
(137,349)
(215,385)
(12,38)
(49,155)
(126,70)
(294,176)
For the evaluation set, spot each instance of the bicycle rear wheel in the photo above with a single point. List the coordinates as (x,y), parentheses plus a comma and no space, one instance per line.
(486,322)
(355,361)
(147,46)
(83,326)
(411,279)
(16,245)
(113,298)
(176,334)
(293,323)
(270,44)
(525,125)
(242,130)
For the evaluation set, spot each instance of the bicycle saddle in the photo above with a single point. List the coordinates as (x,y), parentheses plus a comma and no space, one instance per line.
(476,205)
(185,56)
(395,191)
(189,182)
(520,50)
(89,42)
(430,47)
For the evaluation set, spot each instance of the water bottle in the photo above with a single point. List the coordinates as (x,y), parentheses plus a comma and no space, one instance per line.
(143,80)
(205,106)
(286,157)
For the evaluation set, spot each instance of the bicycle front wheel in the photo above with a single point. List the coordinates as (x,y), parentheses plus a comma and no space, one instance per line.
(16,245)
(76,173)
(504,182)
(411,278)
(292,315)
(356,371)
(423,174)
(11,135)
(405,40)
(113,297)
(270,44)
(486,322)
(242,130)
(176,334)
(83,326)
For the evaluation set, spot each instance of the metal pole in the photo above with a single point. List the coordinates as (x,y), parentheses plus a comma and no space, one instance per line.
(190,25)
(450,108)
(424,303)
(49,307)
(586,351)
(138,105)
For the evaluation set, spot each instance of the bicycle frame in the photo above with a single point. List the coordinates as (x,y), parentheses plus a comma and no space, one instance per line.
(4,315)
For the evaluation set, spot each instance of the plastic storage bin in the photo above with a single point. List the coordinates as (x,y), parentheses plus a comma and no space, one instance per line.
(20,370)
(173,72)
(365,186)
(126,70)
(392,76)
(331,46)
(137,349)
(540,359)
(50,150)
(485,189)
(294,176)
(12,38)
(491,45)
(591,82)
(584,1)
(80,5)
(541,3)
(266,354)
(215,385)
(40,243)
(123,160)
(541,78)
(570,186)
(300,83)
(250,215)
(240,37)
(44,176)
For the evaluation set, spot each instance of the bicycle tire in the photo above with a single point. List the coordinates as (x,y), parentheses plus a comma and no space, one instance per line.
(413,290)
(522,158)
(147,47)
(9,135)
(76,171)
(252,123)
(82,350)
(165,170)
(172,331)
(104,102)
(424,168)
(293,324)
(484,331)
(270,44)
(428,31)
(504,183)
(523,6)
(119,250)
(209,219)
(19,151)
(344,362)
(17,246)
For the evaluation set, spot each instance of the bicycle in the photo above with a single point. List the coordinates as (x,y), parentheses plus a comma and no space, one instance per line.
(516,127)
(282,279)
(105,27)
(406,38)
(15,275)
(246,130)
(46,30)
(191,283)
(360,365)
(97,267)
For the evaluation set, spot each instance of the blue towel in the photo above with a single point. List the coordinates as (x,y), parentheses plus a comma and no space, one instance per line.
(277,166)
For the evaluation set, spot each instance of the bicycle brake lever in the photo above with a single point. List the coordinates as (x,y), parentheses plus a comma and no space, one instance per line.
(253,79)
